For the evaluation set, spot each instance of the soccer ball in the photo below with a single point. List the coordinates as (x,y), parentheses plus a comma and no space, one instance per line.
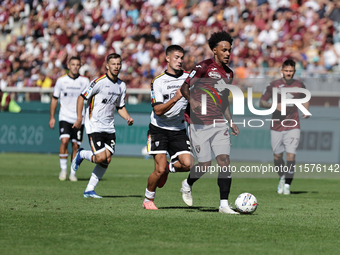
(246,203)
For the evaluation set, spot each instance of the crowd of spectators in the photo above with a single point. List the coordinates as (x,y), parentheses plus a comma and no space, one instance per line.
(265,33)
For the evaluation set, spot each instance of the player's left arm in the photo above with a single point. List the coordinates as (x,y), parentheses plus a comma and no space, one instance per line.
(121,107)
(306,105)
(227,115)
(125,115)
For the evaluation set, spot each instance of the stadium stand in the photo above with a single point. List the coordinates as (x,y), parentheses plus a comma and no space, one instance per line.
(37,38)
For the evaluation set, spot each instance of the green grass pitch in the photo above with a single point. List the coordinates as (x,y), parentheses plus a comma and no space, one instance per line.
(41,215)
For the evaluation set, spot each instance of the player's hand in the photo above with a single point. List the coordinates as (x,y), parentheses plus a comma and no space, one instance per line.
(51,123)
(278,107)
(195,106)
(178,95)
(129,121)
(235,129)
(77,124)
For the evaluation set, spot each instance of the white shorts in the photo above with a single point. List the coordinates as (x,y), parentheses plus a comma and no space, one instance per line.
(285,141)
(205,138)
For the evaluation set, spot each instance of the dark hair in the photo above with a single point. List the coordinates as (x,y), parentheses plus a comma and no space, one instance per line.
(74,57)
(112,55)
(173,48)
(219,37)
(288,62)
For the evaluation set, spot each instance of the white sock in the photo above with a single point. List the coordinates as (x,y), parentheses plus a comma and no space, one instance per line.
(72,172)
(63,163)
(86,154)
(224,203)
(172,168)
(96,175)
(149,195)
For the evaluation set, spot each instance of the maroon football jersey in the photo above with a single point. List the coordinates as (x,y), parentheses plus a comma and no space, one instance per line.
(203,80)
(291,110)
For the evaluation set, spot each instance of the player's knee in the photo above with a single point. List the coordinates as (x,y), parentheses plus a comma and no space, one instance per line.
(108,160)
(187,164)
(64,142)
(290,157)
(277,157)
(159,171)
(223,160)
(100,159)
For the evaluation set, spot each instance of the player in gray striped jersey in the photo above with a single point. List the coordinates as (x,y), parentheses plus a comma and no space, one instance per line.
(67,89)
(167,129)
(104,95)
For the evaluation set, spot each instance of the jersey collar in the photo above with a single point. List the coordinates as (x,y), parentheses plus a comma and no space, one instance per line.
(173,75)
(111,79)
(74,77)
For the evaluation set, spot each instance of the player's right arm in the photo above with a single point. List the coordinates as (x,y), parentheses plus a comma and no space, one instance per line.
(54,102)
(80,105)
(267,94)
(160,109)
(53,107)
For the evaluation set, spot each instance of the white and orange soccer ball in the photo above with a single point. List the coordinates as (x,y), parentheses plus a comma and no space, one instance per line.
(246,203)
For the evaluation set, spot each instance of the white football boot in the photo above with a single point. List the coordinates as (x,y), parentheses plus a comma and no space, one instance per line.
(186,194)
(281,185)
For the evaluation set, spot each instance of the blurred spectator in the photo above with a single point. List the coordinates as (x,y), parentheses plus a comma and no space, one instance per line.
(5,99)
(265,34)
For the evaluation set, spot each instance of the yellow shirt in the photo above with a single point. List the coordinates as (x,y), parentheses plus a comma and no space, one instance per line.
(47,83)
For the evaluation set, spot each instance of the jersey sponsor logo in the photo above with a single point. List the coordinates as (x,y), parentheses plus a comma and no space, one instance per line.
(213,69)
(198,66)
(198,148)
(214,75)
(173,86)
(192,74)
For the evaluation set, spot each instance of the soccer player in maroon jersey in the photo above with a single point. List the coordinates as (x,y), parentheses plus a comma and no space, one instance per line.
(208,129)
(285,133)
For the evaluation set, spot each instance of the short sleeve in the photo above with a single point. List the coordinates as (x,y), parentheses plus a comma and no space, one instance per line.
(122,96)
(267,93)
(90,90)
(197,72)
(57,89)
(156,93)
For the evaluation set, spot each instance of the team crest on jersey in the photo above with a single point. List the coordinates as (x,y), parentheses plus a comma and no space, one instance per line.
(214,75)
(198,148)
(192,74)
(157,143)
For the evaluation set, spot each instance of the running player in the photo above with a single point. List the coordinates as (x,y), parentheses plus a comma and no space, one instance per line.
(67,88)
(167,129)
(287,137)
(104,95)
(208,130)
